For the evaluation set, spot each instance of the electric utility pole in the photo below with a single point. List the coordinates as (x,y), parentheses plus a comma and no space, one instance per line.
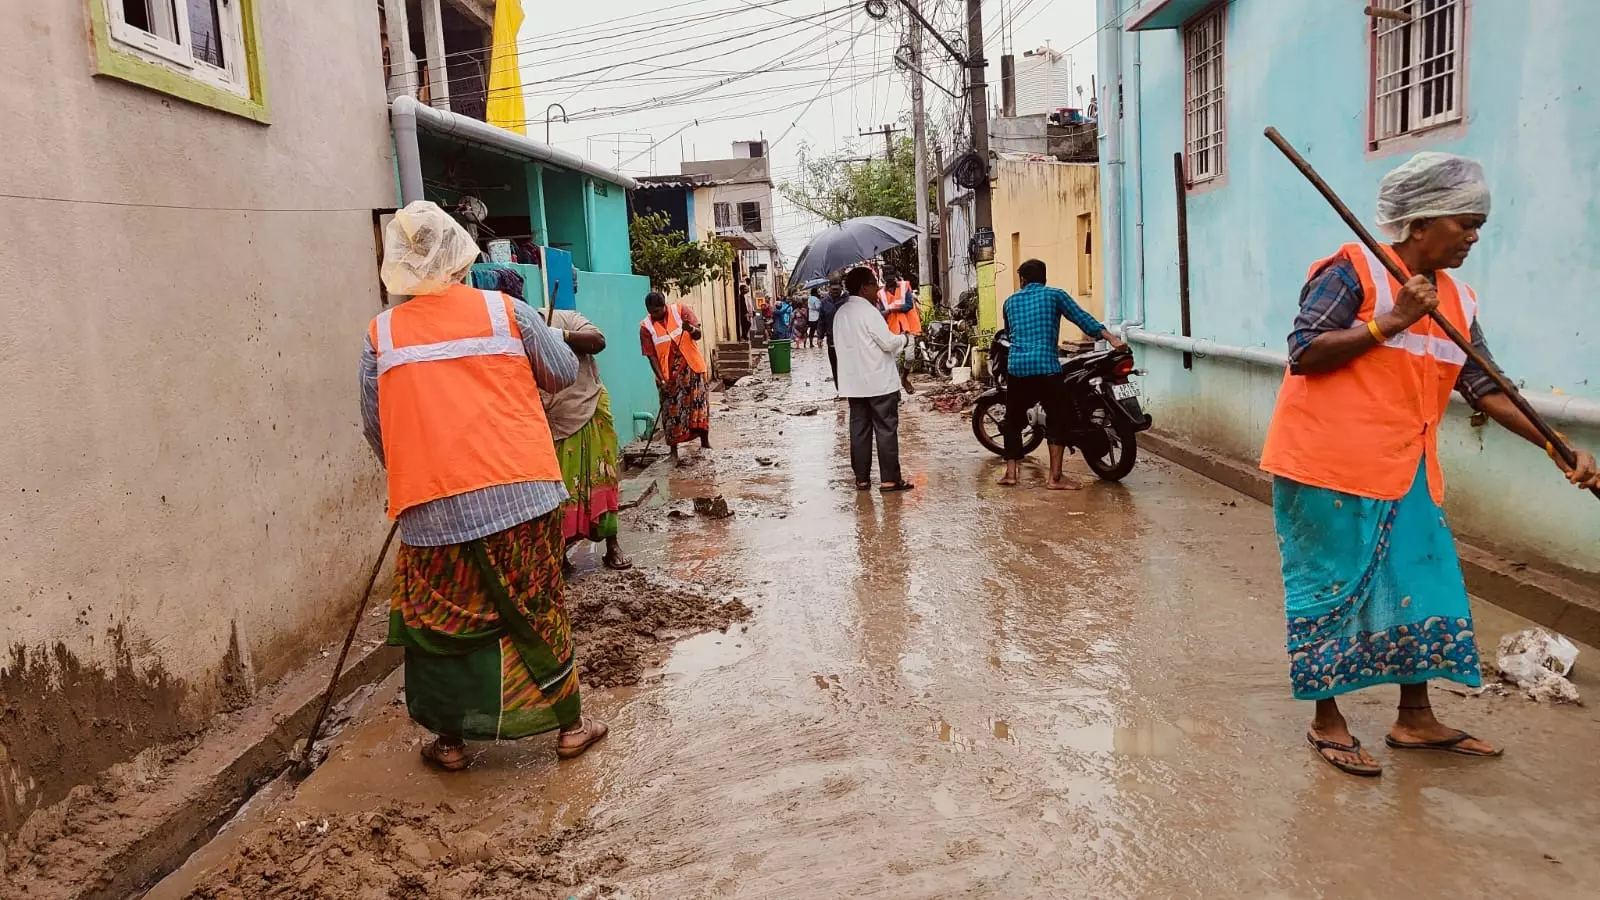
(978,98)
(888,132)
(919,137)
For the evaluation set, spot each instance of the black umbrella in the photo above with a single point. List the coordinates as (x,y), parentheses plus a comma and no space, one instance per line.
(848,243)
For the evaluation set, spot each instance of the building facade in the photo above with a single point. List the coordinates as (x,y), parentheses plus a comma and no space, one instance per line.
(191,506)
(742,213)
(1510,84)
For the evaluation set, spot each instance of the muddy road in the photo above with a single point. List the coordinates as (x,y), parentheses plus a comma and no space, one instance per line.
(965,691)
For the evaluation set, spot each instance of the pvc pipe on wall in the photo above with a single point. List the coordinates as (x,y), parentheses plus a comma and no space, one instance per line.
(1555,407)
(1134,172)
(1111,123)
(408,156)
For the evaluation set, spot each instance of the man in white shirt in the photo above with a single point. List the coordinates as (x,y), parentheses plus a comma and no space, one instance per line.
(869,379)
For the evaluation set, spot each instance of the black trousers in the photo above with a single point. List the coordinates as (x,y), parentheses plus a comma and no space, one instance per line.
(875,419)
(833,363)
(1022,395)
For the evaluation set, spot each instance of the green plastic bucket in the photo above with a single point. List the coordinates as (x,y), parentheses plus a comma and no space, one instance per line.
(779,353)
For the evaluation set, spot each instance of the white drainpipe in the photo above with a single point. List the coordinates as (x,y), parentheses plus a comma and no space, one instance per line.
(1135,174)
(1555,407)
(1111,124)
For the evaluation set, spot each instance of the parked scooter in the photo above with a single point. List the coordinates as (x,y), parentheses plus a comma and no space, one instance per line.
(945,347)
(1107,414)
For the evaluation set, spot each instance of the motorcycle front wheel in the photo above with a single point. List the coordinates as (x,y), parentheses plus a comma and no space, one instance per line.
(988,421)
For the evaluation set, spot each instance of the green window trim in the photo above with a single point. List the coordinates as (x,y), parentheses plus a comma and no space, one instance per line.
(112,61)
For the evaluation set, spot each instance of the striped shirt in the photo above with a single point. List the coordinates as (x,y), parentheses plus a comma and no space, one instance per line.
(1331,301)
(476,514)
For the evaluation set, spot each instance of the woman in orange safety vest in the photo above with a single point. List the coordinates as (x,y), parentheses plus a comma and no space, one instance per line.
(450,401)
(1373,587)
(667,337)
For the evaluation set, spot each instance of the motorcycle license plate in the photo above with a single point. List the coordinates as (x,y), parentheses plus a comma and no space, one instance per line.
(1125,391)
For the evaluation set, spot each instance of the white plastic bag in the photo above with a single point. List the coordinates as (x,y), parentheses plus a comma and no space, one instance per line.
(1538,662)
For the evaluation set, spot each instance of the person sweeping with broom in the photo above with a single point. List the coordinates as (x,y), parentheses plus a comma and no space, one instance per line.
(1373,587)
(450,403)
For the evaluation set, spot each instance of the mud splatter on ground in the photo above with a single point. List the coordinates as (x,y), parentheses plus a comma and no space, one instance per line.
(418,852)
(624,623)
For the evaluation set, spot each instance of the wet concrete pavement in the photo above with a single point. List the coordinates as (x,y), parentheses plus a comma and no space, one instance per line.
(973,691)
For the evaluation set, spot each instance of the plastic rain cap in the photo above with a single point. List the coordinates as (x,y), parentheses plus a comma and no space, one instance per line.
(425,250)
(1430,185)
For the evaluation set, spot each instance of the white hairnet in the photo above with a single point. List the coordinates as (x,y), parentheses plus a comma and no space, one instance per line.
(1430,185)
(424,250)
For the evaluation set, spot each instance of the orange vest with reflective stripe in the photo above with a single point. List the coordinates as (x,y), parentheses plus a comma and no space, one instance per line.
(672,332)
(1363,429)
(908,321)
(457,400)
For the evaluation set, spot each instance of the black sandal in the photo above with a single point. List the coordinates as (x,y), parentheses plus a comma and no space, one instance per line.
(1353,748)
(897,487)
(1448,745)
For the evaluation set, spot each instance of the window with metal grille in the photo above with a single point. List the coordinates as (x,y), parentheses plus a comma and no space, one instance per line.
(724,214)
(1416,67)
(1203,129)
(750,216)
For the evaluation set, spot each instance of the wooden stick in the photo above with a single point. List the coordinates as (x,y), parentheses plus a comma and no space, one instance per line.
(1398,15)
(1554,438)
(333,680)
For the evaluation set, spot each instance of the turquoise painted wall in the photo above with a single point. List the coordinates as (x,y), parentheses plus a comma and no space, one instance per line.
(1532,119)
(608,229)
(565,213)
(615,303)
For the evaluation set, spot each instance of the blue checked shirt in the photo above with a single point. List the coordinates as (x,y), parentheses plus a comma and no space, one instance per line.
(1332,299)
(1033,319)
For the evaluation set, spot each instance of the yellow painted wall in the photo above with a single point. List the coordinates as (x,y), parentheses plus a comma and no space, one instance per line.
(1037,205)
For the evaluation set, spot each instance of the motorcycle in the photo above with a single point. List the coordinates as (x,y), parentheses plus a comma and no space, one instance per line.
(1107,414)
(944,348)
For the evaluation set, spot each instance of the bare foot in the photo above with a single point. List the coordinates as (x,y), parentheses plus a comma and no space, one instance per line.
(1065,484)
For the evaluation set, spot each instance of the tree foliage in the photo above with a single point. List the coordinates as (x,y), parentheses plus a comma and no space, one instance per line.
(673,263)
(837,186)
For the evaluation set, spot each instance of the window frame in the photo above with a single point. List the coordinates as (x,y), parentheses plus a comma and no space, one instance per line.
(1218,99)
(721,214)
(128,53)
(1420,128)
(744,219)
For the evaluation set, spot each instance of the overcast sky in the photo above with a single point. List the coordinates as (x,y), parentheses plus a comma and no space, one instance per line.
(635,75)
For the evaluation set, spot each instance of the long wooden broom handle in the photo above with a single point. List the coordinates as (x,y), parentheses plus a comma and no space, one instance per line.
(1556,441)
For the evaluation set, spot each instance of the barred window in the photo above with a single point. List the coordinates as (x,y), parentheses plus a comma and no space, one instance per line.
(1416,67)
(1204,132)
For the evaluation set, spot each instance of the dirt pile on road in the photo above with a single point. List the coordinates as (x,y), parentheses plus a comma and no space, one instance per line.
(412,853)
(626,622)
(950,398)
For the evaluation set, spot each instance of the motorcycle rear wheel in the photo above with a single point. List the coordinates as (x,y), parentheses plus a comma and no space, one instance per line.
(987,420)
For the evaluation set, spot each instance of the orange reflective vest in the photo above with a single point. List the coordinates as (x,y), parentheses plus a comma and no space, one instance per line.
(1363,429)
(457,400)
(902,321)
(671,332)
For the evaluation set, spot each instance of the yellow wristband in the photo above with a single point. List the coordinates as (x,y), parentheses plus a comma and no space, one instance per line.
(1377,333)
(1550,448)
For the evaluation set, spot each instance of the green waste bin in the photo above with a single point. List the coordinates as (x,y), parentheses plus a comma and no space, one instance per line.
(778,351)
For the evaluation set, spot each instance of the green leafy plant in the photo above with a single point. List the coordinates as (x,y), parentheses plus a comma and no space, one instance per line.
(837,186)
(674,263)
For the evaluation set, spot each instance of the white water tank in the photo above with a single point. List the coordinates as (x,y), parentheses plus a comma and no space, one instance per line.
(1044,82)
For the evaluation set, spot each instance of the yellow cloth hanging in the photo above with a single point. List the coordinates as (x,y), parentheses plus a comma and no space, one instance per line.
(505,108)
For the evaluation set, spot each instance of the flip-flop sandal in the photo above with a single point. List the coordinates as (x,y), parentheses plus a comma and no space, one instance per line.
(617,563)
(594,730)
(1448,745)
(897,487)
(863,485)
(433,754)
(1354,748)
